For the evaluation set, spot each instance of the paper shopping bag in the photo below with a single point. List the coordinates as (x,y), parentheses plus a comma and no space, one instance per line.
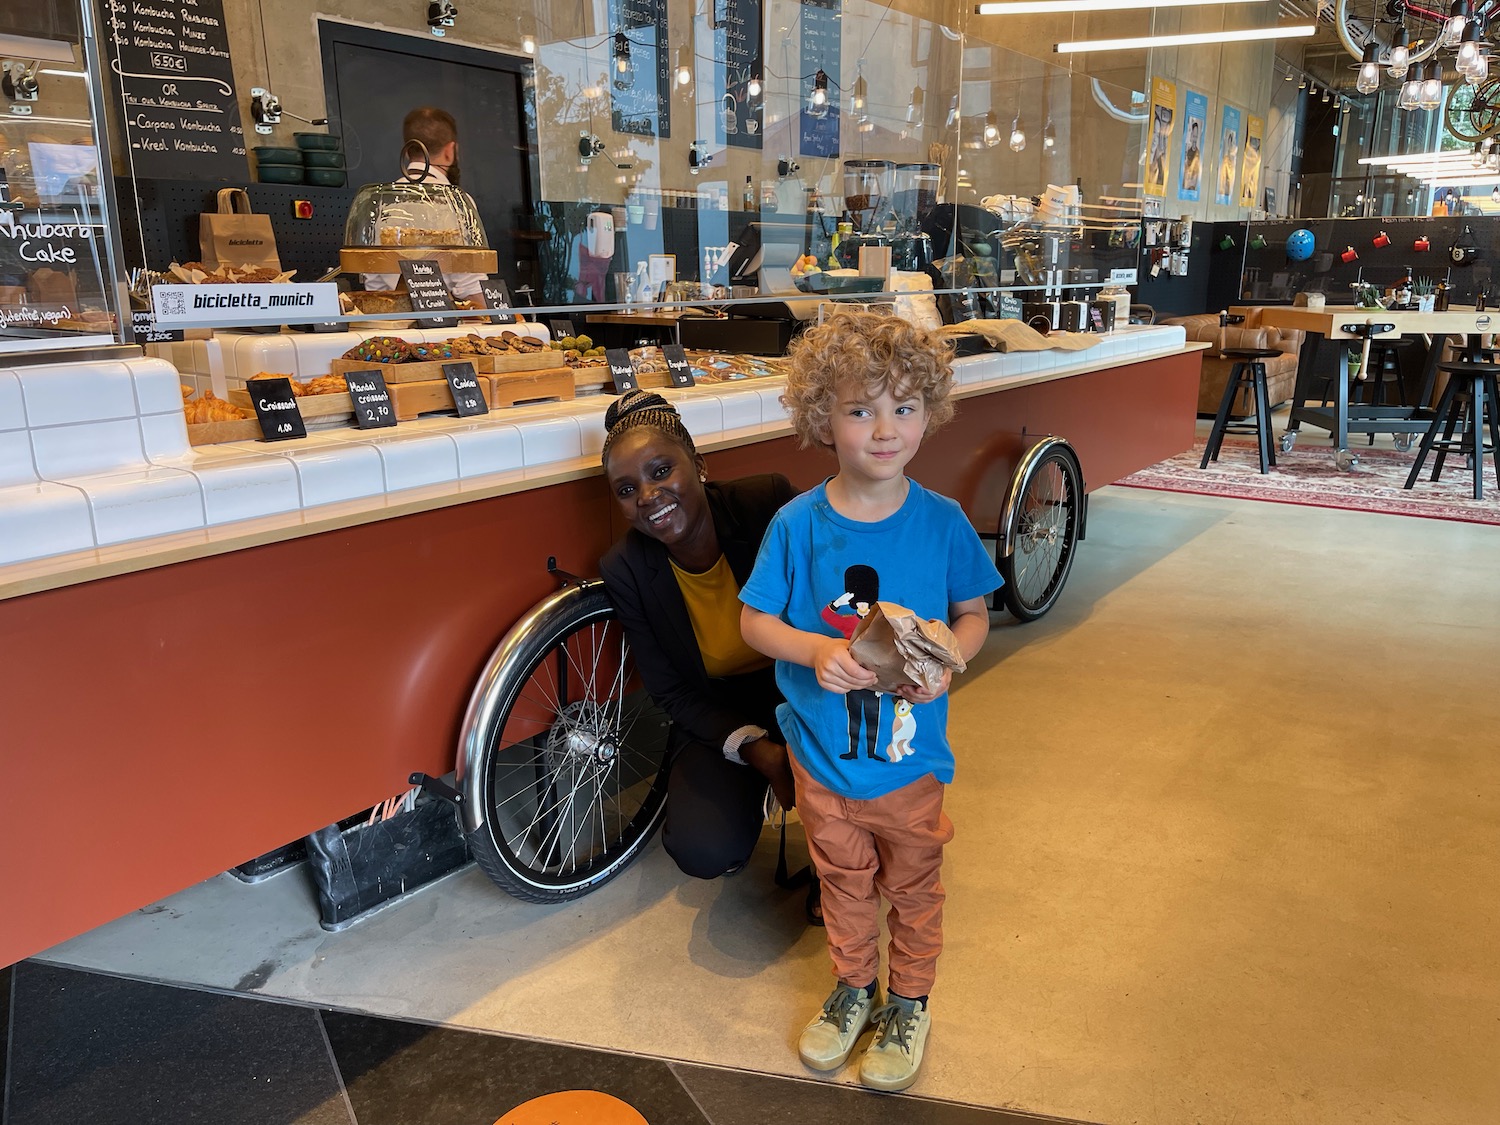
(232,236)
(902,649)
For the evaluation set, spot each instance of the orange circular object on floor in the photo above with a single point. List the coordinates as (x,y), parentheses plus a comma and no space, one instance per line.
(573,1107)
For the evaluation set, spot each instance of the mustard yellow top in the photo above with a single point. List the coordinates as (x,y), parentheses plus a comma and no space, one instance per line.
(713,606)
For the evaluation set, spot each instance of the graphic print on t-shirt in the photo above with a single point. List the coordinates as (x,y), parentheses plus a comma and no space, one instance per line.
(902,731)
(861,592)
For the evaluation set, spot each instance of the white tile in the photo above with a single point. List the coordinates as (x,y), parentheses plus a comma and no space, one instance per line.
(329,474)
(164,437)
(548,440)
(413,459)
(58,394)
(250,353)
(141,503)
(245,486)
(91,447)
(157,386)
(701,414)
(740,408)
(772,413)
(12,405)
(41,519)
(591,432)
(486,447)
(16,466)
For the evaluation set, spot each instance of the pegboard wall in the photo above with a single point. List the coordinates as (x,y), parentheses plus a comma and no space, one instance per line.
(166,224)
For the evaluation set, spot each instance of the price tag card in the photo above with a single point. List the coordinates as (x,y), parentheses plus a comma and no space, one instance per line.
(276,408)
(561,328)
(144,325)
(1097,319)
(497,296)
(464,383)
(1010,307)
(621,370)
(371,398)
(428,291)
(677,366)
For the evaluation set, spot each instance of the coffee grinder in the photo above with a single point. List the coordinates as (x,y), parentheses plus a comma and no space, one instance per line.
(915,191)
(867,202)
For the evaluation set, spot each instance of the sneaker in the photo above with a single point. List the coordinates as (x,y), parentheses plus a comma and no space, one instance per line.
(828,1041)
(894,1056)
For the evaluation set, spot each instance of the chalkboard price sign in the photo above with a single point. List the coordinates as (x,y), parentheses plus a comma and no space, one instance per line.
(678,369)
(1010,307)
(276,409)
(428,291)
(621,370)
(143,324)
(464,383)
(180,111)
(497,296)
(561,329)
(371,398)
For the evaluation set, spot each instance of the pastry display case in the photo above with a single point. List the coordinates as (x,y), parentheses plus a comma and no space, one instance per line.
(404,220)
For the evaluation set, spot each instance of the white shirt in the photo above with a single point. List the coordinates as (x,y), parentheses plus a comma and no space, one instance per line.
(461,285)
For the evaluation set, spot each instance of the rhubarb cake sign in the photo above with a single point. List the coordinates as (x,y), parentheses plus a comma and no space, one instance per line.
(170,60)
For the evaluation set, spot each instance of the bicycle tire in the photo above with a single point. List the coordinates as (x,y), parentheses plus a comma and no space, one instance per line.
(563,755)
(1039,529)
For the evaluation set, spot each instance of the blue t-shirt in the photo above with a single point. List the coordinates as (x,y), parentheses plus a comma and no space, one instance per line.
(814,570)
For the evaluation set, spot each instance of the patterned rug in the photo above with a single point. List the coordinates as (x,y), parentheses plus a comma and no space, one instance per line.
(1307,475)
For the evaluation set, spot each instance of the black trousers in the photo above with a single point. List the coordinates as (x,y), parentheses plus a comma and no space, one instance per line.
(715,811)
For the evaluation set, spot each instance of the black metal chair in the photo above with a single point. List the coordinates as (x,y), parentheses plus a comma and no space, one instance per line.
(1469,402)
(1248,374)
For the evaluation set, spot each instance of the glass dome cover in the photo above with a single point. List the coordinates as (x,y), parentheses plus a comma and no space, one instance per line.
(402,214)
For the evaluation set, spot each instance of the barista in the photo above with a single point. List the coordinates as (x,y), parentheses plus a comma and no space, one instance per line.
(437,133)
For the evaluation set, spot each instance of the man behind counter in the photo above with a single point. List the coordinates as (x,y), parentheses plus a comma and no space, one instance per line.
(438,134)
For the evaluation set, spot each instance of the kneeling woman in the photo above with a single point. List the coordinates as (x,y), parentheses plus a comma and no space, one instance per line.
(675,580)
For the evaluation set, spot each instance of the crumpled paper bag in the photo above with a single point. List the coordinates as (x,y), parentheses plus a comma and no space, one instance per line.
(902,649)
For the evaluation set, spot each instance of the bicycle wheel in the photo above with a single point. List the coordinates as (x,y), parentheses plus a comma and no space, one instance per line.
(563,753)
(1039,529)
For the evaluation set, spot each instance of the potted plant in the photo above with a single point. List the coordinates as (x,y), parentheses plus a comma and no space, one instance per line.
(1425,293)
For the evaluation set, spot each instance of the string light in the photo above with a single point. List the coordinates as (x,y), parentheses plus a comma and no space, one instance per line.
(1017,135)
(991,130)
(817,99)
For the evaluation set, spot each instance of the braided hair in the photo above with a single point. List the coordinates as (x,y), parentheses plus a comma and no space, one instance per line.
(645,408)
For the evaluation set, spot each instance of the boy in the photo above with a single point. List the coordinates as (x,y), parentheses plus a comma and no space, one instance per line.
(870,387)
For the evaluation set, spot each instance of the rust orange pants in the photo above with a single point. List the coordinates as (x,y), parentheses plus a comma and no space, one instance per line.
(890,846)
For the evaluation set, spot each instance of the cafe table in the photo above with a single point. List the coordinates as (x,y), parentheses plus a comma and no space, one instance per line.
(1354,324)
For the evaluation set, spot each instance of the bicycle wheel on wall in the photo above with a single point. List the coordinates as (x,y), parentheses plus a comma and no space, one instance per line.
(1040,528)
(563,754)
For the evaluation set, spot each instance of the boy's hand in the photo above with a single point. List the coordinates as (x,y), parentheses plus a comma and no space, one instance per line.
(836,668)
(917,694)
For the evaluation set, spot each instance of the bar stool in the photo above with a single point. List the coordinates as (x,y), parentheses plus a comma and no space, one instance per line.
(1385,370)
(1469,400)
(1249,374)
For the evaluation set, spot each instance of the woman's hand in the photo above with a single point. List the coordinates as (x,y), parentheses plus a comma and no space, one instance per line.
(836,668)
(769,758)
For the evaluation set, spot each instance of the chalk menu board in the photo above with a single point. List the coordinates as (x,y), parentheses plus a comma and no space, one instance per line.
(737,43)
(644,107)
(821,40)
(171,64)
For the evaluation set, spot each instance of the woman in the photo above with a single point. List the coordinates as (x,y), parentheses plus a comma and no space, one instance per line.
(674,580)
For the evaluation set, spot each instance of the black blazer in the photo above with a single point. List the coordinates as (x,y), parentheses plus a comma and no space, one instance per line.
(638,577)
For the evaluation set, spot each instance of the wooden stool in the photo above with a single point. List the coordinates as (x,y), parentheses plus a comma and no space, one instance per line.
(1248,373)
(1469,400)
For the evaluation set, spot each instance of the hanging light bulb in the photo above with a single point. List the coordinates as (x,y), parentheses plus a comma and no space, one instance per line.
(595,90)
(1017,135)
(1453,30)
(1369,69)
(1400,56)
(817,98)
(684,71)
(1049,136)
(753,87)
(1480,71)
(1411,89)
(914,107)
(624,68)
(1431,95)
(857,102)
(991,130)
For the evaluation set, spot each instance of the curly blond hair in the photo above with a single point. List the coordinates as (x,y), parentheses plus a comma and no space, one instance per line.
(880,353)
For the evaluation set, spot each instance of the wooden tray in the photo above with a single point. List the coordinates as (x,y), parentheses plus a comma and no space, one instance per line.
(412,399)
(529,386)
(517,361)
(387,259)
(311,406)
(212,433)
(424,371)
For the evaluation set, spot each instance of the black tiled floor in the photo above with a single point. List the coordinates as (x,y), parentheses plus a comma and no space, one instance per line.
(99,1049)
(405,1074)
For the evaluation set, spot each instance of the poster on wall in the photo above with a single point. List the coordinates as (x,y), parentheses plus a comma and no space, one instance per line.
(821,21)
(737,44)
(1250,169)
(640,99)
(1229,154)
(1194,129)
(1159,146)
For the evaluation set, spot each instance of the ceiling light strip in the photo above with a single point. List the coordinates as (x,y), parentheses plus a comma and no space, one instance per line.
(1069,7)
(1151,42)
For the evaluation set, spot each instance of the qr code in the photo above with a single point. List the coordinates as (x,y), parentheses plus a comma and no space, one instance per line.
(173,304)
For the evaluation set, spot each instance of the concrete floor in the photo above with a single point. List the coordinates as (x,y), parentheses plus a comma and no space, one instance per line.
(1227,823)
